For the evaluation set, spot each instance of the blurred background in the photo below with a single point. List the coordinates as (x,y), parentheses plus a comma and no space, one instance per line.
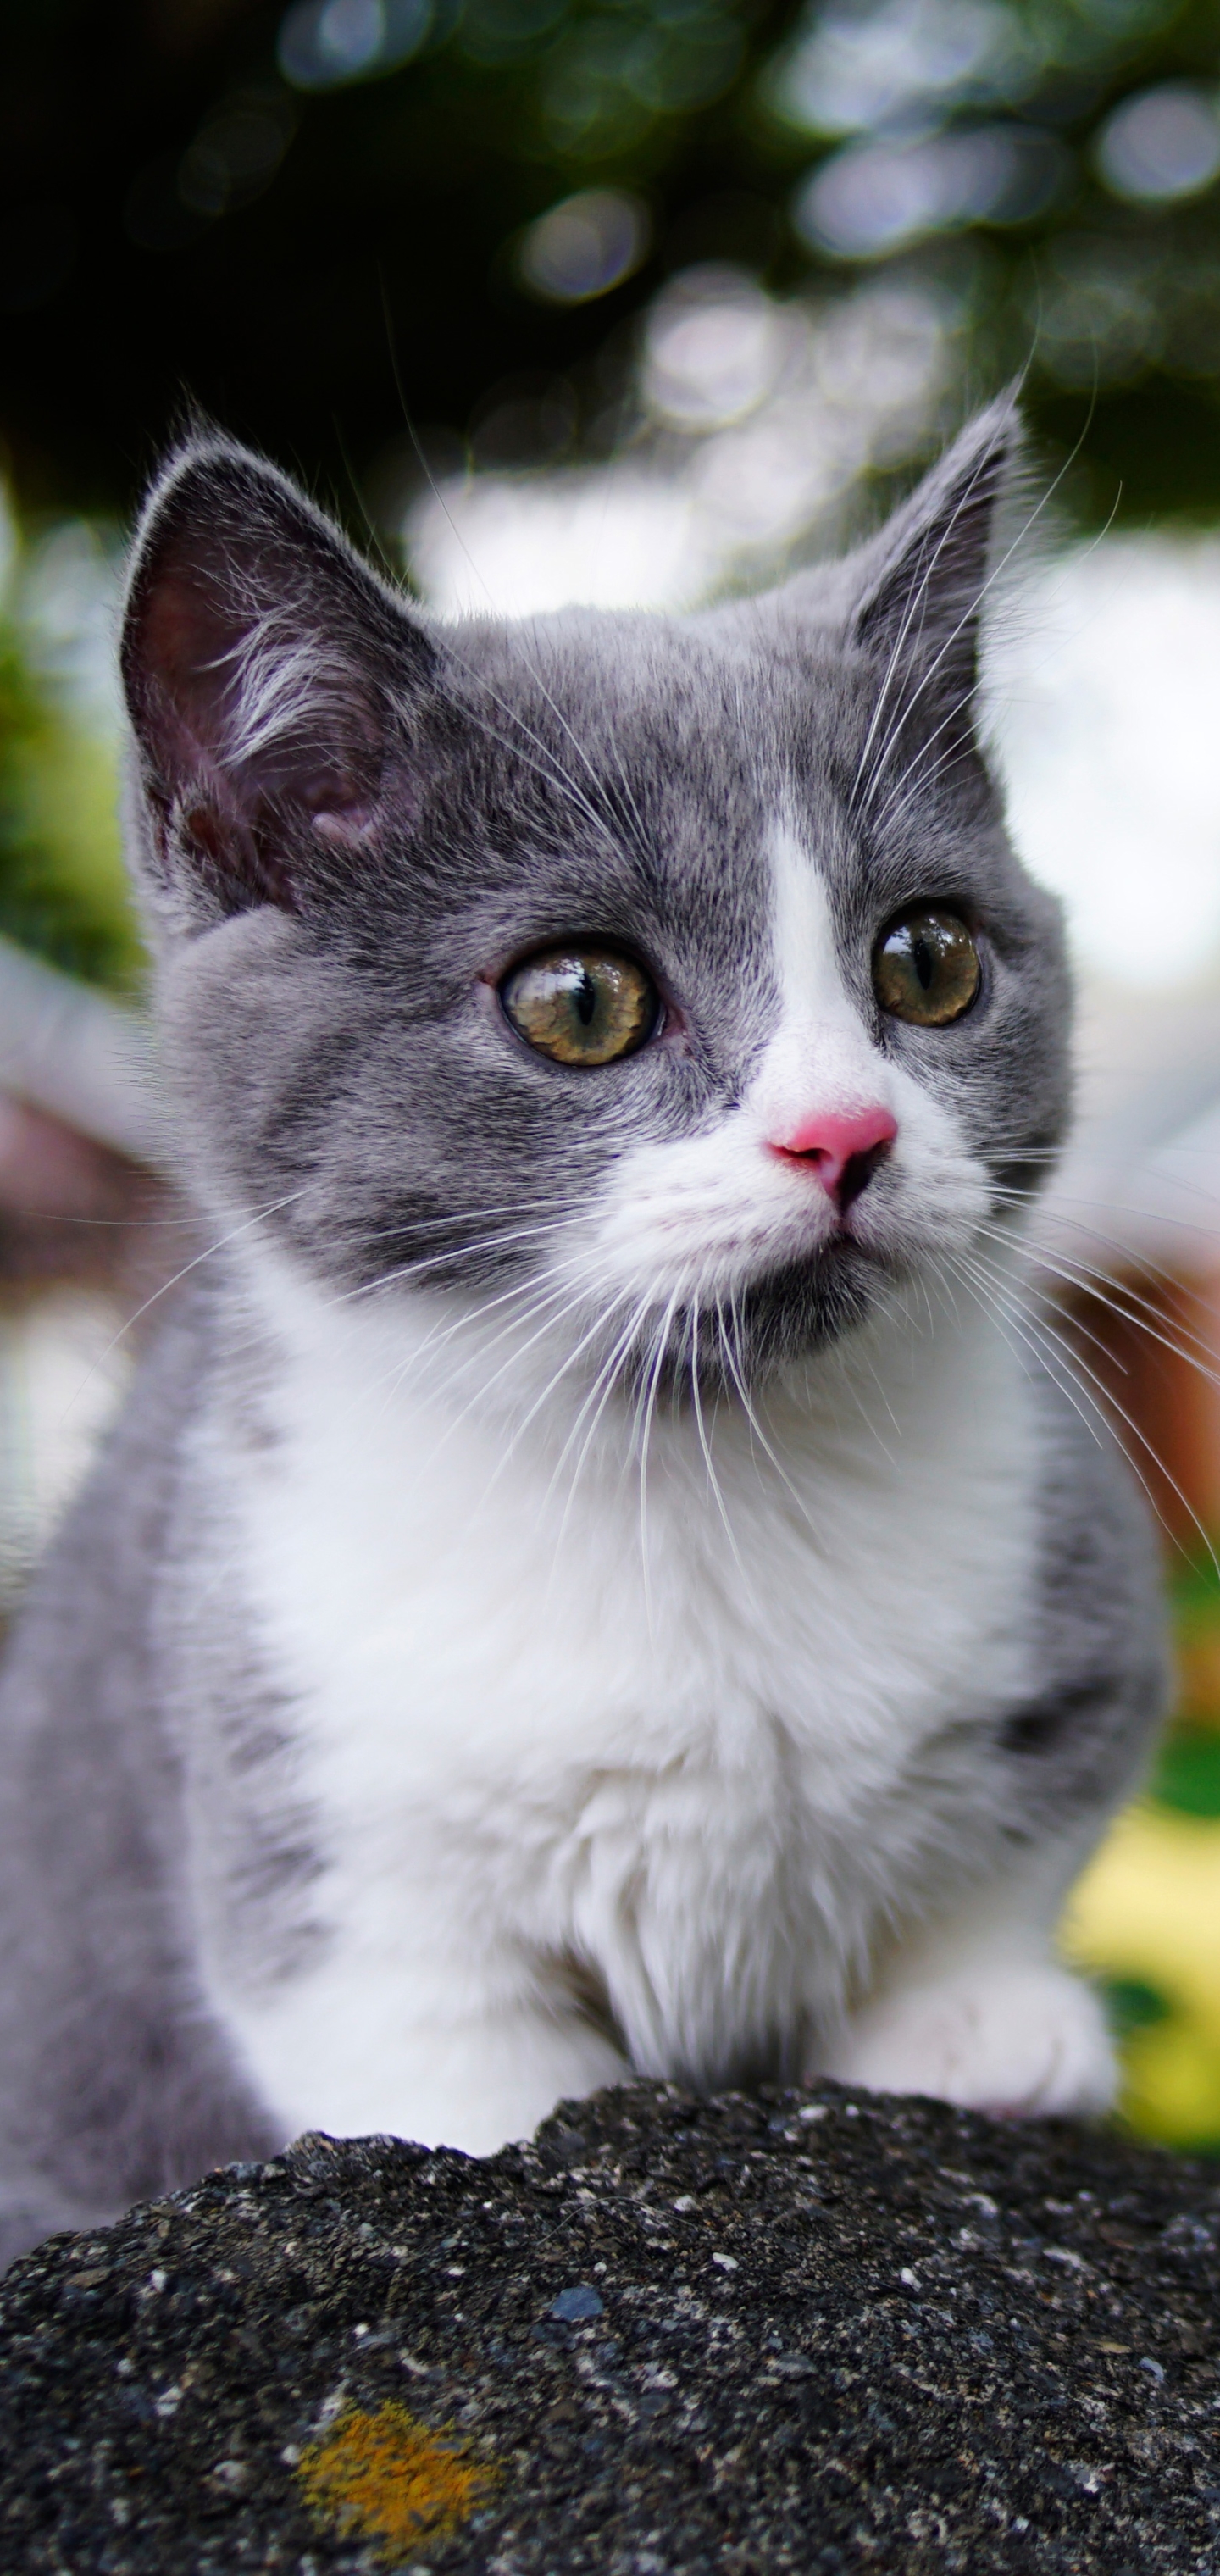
(639,301)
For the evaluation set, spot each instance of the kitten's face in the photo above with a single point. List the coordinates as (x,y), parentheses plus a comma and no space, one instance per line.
(674,979)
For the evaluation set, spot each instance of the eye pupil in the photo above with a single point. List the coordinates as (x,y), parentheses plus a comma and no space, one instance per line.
(924,963)
(585,999)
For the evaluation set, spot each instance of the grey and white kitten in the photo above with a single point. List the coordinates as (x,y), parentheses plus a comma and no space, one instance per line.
(593,1574)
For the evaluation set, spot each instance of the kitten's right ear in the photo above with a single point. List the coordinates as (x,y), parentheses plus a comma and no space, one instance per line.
(269,678)
(926,575)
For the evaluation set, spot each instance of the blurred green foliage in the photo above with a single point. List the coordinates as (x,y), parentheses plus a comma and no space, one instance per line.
(1188,1773)
(1133,2006)
(63,887)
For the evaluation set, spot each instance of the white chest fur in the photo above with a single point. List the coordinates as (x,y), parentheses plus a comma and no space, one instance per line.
(629,1723)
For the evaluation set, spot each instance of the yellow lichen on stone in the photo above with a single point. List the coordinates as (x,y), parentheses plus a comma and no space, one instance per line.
(387,2479)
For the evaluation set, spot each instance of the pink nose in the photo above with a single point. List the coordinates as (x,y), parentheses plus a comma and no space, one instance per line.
(842,1153)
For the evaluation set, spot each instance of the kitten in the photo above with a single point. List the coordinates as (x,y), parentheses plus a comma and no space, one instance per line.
(594,1574)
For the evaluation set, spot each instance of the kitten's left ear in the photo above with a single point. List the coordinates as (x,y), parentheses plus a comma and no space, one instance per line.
(270,677)
(924,578)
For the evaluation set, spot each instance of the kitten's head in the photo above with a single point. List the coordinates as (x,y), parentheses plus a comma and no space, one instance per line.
(672,976)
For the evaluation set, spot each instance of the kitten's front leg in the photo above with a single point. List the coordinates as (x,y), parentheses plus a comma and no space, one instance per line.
(426,2058)
(979,2011)
(482,2083)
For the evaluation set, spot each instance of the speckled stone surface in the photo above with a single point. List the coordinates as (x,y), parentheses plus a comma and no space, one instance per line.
(807,2332)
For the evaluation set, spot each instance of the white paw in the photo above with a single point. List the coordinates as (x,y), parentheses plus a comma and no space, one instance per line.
(1012,2041)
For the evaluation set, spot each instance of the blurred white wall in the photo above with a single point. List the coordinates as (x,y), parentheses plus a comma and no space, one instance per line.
(1105,690)
(64,1368)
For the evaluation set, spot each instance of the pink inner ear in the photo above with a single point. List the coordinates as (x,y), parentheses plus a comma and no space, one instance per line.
(196,640)
(261,663)
(344,825)
(185,635)
(187,687)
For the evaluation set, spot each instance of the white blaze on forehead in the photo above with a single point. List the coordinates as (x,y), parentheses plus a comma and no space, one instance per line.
(821,1056)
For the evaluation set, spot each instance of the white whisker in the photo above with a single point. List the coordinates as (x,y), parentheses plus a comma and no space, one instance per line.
(1072,1360)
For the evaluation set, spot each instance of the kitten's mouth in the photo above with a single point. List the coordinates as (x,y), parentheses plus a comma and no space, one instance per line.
(726,1343)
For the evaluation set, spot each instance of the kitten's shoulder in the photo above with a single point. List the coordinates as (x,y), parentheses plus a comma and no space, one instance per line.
(1102,1648)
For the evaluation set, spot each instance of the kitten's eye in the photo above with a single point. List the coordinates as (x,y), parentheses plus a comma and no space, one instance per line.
(926,969)
(581,1006)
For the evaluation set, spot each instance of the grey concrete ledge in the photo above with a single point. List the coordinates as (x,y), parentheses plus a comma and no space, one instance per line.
(808,2332)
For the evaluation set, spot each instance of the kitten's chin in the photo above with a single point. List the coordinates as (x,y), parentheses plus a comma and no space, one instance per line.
(745,1336)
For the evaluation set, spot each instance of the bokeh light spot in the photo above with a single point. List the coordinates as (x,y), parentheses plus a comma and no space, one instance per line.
(853,69)
(325,43)
(1161,144)
(714,348)
(873,198)
(585,245)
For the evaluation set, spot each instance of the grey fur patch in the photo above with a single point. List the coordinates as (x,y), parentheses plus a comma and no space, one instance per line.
(114,2084)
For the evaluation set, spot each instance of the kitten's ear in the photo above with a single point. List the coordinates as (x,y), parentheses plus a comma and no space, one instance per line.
(925,576)
(268,675)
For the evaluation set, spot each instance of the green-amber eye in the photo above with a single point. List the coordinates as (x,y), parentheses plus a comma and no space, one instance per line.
(581,1005)
(926,969)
